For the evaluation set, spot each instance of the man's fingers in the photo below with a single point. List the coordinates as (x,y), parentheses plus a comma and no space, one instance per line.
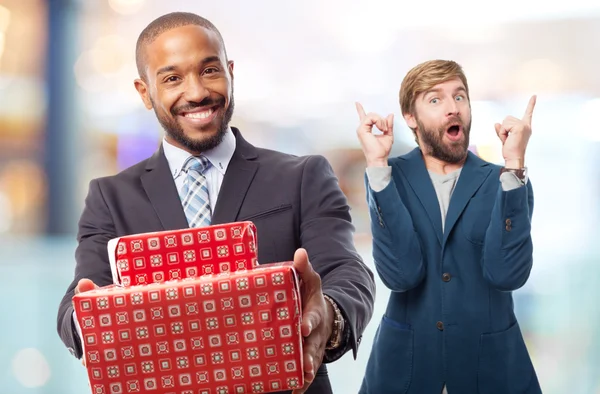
(309,370)
(302,265)
(312,356)
(382,125)
(309,364)
(84,285)
(308,376)
(385,125)
(370,119)
(310,320)
(307,274)
(311,316)
(529,111)
(360,110)
(390,122)
(311,286)
(502,134)
(303,389)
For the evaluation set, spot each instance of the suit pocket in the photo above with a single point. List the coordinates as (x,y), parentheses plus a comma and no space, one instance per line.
(390,365)
(504,363)
(266,212)
(476,217)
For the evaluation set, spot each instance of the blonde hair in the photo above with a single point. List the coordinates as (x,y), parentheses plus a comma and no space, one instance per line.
(425,76)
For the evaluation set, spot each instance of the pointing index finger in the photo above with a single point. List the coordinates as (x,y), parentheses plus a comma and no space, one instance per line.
(529,111)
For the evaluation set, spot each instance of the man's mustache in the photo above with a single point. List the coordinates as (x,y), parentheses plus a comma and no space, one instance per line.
(190,106)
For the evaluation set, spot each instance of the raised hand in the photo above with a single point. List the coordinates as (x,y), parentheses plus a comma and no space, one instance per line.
(514,134)
(376,148)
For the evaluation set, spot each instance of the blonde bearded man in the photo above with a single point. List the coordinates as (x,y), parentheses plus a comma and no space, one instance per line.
(451,239)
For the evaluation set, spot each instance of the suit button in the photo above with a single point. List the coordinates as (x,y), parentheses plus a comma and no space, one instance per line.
(440,326)
(508,228)
(508,222)
(446,277)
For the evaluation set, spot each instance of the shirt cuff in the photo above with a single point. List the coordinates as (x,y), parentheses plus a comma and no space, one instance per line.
(379,177)
(510,181)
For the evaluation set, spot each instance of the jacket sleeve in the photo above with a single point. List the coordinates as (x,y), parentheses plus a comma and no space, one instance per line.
(95,230)
(396,245)
(327,234)
(508,248)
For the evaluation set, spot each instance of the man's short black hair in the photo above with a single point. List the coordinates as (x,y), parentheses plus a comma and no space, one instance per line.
(168,22)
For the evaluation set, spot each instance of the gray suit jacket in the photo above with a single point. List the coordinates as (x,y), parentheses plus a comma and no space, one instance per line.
(293,201)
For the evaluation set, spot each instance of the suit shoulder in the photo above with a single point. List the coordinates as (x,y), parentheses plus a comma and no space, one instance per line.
(279,158)
(411,154)
(125,175)
(396,161)
(495,167)
(402,160)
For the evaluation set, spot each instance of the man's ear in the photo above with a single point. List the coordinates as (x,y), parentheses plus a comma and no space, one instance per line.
(411,121)
(142,89)
(230,68)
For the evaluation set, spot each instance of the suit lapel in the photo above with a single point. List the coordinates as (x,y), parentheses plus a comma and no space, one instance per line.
(474,173)
(237,180)
(162,192)
(419,180)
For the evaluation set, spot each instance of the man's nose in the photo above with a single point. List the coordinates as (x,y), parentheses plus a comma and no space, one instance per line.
(195,91)
(452,108)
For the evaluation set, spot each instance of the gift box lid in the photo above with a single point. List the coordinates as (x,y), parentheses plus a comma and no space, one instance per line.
(161,256)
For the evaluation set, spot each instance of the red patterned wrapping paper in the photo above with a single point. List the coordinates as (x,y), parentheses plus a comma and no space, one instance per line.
(169,255)
(229,333)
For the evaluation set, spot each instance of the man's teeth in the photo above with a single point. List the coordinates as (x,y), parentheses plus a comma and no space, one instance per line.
(199,115)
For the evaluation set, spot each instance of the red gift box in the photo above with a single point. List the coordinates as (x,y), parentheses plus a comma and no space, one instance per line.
(228,333)
(168,255)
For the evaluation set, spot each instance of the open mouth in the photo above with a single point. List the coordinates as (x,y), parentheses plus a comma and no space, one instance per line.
(454,132)
(200,116)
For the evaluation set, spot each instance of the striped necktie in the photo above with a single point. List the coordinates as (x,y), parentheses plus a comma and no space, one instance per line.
(194,194)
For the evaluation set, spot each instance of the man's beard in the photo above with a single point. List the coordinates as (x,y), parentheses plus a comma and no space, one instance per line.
(175,131)
(452,153)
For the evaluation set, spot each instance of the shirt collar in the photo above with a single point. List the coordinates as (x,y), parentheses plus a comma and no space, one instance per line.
(219,156)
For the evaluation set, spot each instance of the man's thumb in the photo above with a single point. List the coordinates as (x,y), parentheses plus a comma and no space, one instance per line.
(500,133)
(85,285)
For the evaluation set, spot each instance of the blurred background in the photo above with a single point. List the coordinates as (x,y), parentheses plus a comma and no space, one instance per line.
(69,113)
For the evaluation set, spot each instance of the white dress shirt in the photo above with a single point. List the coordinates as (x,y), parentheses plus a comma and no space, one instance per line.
(219,157)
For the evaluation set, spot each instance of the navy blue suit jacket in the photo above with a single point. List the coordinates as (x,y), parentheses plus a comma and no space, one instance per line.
(450,315)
